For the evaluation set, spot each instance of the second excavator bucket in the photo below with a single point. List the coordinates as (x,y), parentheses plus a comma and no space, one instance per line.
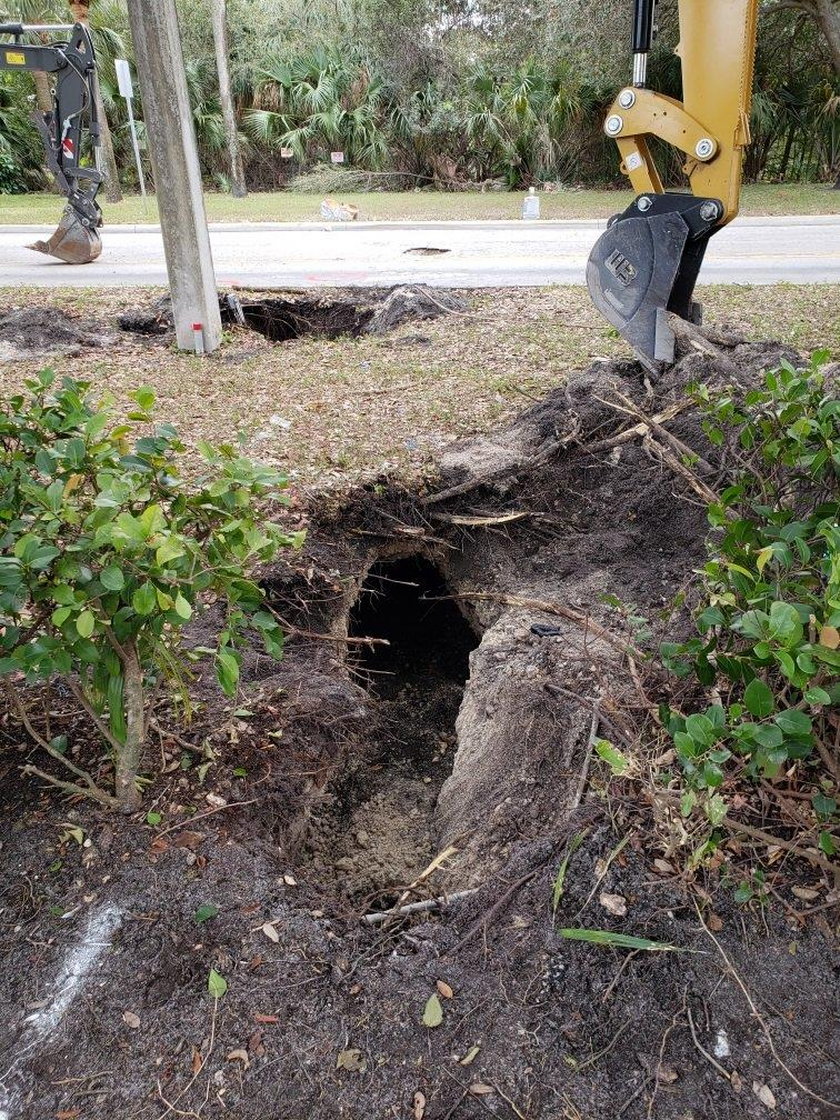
(644,266)
(72,242)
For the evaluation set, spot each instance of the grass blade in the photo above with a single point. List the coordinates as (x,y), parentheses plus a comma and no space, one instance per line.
(621,940)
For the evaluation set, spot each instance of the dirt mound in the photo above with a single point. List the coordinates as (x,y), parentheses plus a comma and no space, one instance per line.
(40,332)
(450,656)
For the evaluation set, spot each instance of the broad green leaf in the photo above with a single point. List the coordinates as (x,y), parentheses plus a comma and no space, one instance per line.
(216,984)
(793,722)
(182,607)
(817,695)
(112,578)
(617,762)
(144,599)
(153,818)
(227,671)
(759,699)
(433,1012)
(204,913)
(85,624)
(145,397)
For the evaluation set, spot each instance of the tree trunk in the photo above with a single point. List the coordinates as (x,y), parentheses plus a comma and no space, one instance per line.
(109,160)
(43,93)
(827,15)
(81,13)
(218,15)
(127,761)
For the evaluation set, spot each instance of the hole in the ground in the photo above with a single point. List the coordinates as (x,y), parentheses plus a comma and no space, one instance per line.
(406,602)
(283,319)
(378,833)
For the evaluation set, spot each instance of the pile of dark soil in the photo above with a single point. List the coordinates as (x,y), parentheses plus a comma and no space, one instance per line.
(39,332)
(343,773)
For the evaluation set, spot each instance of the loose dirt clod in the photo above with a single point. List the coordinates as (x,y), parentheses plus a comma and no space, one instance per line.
(40,332)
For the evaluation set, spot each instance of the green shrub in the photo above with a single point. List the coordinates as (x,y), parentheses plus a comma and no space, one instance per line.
(107,550)
(768,645)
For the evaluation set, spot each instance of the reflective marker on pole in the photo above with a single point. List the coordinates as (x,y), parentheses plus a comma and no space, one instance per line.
(126,89)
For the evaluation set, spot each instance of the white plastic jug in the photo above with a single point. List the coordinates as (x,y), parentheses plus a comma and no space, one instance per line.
(531,204)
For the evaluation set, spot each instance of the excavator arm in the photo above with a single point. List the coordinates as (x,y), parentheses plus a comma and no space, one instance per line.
(73,63)
(646,263)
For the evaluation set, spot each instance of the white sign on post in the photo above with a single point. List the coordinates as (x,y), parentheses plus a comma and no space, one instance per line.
(124,82)
(126,88)
(337,157)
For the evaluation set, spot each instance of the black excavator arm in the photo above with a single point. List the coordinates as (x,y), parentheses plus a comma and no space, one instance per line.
(73,62)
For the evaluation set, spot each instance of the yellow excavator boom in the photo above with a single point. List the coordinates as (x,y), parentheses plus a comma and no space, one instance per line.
(646,263)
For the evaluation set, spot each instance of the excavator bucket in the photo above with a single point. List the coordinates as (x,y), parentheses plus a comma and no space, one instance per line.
(72,242)
(644,266)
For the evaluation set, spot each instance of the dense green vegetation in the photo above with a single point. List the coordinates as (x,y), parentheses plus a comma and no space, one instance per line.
(439,93)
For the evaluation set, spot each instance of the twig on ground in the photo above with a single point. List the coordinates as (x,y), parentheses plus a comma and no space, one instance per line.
(170,1105)
(485,920)
(656,426)
(637,430)
(590,747)
(458,519)
(206,813)
(558,690)
(701,1049)
(788,845)
(760,1018)
(426,905)
(704,492)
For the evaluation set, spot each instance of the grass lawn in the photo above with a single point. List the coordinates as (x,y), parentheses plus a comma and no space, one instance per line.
(285,206)
(336,411)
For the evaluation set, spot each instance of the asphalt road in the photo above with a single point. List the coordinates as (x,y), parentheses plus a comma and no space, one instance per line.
(799,250)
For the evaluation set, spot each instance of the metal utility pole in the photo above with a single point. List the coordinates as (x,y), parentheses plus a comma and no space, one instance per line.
(174,156)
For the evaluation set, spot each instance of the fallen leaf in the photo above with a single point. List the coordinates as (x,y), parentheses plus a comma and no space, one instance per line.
(614,904)
(216,984)
(470,1056)
(266,1018)
(238,1056)
(433,1012)
(67,1114)
(736,1081)
(715,923)
(807,894)
(270,932)
(444,989)
(131,1020)
(419,1106)
(352,1061)
(666,1075)
(479,1089)
(255,1044)
(830,637)
(197,1062)
(663,867)
(764,1095)
(187,839)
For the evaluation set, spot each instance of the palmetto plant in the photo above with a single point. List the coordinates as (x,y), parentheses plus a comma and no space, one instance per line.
(322,101)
